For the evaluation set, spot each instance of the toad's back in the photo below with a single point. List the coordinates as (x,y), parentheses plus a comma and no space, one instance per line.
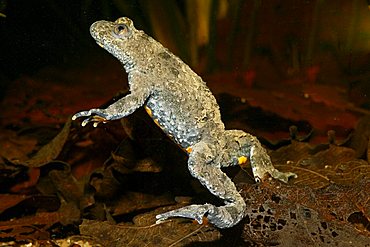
(180,102)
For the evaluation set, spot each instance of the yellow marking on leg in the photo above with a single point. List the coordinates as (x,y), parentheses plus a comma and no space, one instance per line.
(148,110)
(242,160)
(157,123)
(150,113)
(189,150)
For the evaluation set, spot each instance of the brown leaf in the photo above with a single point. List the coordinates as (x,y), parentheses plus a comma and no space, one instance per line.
(8,201)
(104,184)
(51,150)
(32,178)
(291,153)
(14,146)
(69,213)
(361,137)
(317,170)
(143,165)
(144,232)
(368,151)
(31,227)
(13,206)
(56,177)
(134,201)
(286,215)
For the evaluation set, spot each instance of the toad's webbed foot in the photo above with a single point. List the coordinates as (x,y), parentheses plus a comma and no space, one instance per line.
(196,212)
(95,116)
(221,217)
(262,165)
(283,176)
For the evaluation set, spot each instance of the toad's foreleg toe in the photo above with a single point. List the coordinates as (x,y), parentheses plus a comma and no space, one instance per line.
(95,116)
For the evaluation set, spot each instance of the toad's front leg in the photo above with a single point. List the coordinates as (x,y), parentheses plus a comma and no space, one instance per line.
(95,116)
(140,92)
(202,166)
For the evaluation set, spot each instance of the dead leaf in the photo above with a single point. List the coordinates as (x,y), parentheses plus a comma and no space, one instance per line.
(143,165)
(361,137)
(11,174)
(368,151)
(134,201)
(8,201)
(291,153)
(33,175)
(14,206)
(318,170)
(29,227)
(287,215)
(56,178)
(69,213)
(15,147)
(144,232)
(51,150)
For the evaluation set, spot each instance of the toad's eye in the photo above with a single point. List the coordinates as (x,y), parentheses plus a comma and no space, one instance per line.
(122,30)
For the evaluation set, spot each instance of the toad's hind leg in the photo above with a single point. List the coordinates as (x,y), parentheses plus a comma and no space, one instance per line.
(243,145)
(202,166)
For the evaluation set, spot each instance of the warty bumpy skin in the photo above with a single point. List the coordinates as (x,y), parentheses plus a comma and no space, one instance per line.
(179,102)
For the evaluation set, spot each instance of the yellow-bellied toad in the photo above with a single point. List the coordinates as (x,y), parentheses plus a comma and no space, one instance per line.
(182,105)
